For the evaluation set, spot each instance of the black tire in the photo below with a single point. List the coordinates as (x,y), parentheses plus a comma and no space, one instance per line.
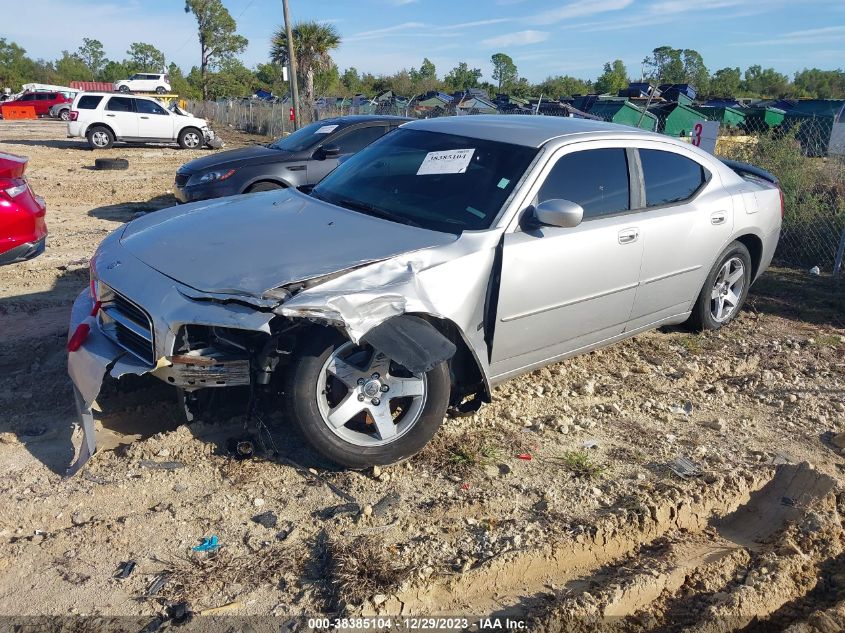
(702,317)
(64,115)
(185,135)
(111,163)
(94,134)
(300,401)
(160,90)
(264,186)
(123,89)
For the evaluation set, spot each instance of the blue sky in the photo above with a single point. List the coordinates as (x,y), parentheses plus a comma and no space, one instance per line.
(544,37)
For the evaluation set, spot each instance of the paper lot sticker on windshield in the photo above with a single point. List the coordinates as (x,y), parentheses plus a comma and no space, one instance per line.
(326,129)
(453,161)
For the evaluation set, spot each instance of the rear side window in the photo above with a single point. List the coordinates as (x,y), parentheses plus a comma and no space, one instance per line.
(89,102)
(597,179)
(356,140)
(42,96)
(120,104)
(669,177)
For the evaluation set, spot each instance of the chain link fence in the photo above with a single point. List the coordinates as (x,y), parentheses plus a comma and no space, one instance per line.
(802,151)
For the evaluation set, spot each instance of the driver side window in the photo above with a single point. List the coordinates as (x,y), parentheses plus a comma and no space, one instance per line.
(597,179)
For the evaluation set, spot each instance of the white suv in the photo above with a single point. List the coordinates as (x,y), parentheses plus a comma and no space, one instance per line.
(104,117)
(144,82)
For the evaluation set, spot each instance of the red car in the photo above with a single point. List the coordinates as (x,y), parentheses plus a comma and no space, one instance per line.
(41,101)
(23,231)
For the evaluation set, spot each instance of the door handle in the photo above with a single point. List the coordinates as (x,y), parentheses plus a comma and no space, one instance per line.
(628,236)
(718,218)
(109,115)
(145,117)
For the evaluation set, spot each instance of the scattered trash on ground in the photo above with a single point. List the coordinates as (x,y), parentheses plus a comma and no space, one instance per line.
(207,545)
(158,583)
(125,569)
(681,409)
(685,468)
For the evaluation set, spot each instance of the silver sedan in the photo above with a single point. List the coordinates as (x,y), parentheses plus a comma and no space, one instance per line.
(447,257)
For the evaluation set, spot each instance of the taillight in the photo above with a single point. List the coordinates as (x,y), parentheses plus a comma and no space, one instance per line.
(73,115)
(782,204)
(12,187)
(15,191)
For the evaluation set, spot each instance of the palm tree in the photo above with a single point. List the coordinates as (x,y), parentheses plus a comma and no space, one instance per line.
(312,42)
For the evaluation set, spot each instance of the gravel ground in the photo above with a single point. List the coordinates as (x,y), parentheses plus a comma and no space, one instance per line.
(557,502)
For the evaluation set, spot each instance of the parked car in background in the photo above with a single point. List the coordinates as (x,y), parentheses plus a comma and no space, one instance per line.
(23,232)
(41,101)
(61,110)
(144,82)
(445,258)
(298,160)
(104,118)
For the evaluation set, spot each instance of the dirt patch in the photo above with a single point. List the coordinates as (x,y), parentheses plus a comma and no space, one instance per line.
(557,500)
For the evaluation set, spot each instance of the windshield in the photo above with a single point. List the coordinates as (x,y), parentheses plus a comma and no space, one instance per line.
(436,181)
(305,137)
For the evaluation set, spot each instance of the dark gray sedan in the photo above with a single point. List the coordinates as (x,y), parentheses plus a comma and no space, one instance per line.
(298,160)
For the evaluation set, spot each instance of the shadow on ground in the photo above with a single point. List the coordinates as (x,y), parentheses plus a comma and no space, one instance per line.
(126,211)
(799,296)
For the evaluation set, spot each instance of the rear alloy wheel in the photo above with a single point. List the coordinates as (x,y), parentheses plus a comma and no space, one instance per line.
(100,138)
(724,291)
(160,90)
(190,138)
(358,407)
(64,115)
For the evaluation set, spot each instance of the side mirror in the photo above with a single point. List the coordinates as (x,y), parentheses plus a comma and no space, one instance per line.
(556,212)
(328,151)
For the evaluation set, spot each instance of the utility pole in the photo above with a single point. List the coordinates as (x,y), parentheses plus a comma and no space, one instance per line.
(294,88)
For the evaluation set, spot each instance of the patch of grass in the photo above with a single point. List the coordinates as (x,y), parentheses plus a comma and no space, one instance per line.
(469,455)
(359,569)
(581,465)
(690,343)
(465,451)
(828,340)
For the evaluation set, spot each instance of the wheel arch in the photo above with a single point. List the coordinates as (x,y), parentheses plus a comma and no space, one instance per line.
(755,248)
(96,124)
(265,178)
(468,377)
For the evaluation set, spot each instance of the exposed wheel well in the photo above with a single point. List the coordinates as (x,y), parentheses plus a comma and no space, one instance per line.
(755,248)
(466,374)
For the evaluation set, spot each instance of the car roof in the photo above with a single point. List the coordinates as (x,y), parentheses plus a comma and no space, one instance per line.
(521,129)
(362,118)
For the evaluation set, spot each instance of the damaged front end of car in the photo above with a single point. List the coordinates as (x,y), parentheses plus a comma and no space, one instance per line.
(135,320)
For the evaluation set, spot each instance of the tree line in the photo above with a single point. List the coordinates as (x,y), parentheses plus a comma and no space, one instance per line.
(220,73)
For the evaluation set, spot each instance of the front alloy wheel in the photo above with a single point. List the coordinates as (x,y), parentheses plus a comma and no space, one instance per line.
(190,139)
(358,407)
(365,399)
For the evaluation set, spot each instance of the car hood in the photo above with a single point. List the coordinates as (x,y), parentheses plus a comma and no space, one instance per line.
(253,155)
(253,243)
